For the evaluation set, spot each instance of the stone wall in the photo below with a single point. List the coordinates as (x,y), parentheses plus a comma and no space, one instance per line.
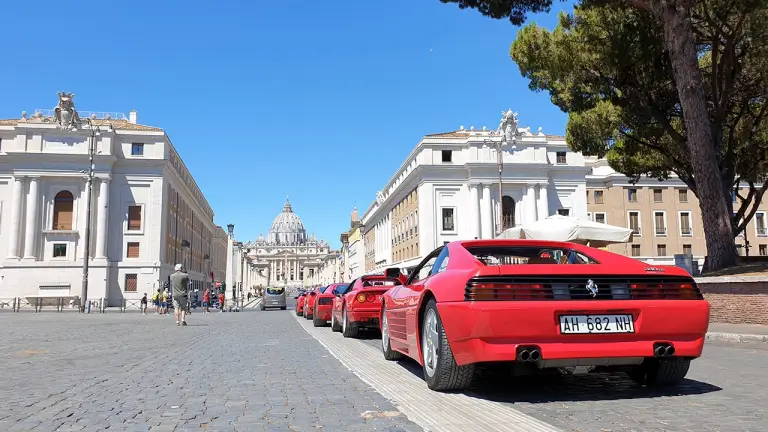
(736,299)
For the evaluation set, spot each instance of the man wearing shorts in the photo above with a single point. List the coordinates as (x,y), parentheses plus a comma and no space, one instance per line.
(179,286)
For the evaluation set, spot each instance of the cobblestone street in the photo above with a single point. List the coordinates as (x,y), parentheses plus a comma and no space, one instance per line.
(248,371)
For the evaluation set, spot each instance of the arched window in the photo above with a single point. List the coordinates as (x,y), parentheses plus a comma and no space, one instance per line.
(508,211)
(63,204)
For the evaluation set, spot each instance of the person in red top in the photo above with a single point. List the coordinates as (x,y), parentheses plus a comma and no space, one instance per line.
(221,302)
(206,301)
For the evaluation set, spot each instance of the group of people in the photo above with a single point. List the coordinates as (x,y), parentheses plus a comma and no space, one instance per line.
(179,295)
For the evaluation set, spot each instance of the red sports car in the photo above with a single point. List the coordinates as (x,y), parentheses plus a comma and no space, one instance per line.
(309,302)
(300,301)
(359,305)
(323,303)
(543,305)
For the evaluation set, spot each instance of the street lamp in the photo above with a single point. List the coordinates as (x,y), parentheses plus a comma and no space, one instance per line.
(231,229)
(499,146)
(95,131)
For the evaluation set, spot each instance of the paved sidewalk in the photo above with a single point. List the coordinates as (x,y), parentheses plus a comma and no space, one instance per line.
(737,333)
(248,371)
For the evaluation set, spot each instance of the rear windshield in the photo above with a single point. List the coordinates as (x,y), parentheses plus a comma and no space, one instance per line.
(274,291)
(380,282)
(506,255)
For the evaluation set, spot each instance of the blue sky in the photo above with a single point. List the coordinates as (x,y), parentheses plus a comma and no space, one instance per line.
(320,101)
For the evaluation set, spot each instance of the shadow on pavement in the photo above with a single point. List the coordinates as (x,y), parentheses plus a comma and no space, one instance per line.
(495,385)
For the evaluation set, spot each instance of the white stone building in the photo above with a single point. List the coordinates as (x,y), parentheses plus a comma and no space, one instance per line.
(328,271)
(287,256)
(448,189)
(147,211)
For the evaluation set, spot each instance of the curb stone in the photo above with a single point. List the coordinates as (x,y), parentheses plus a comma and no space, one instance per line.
(736,338)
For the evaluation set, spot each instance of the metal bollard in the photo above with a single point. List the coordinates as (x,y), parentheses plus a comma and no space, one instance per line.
(124,305)
(102,305)
(88,306)
(15,304)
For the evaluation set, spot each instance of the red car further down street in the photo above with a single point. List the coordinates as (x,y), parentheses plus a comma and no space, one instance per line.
(300,302)
(323,304)
(309,302)
(543,305)
(359,305)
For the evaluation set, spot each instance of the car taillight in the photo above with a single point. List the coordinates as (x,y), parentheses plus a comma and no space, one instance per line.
(370,298)
(502,291)
(361,297)
(666,290)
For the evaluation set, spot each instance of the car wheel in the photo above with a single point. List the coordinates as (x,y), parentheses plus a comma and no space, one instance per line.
(348,330)
(440,369)
(334,325)
(386,348)
(297,311)
(656,372)
(261,306)
(284,308)
(317,322)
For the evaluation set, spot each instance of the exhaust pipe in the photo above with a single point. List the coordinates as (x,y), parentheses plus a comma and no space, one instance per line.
(535,355)
(670,350)
(660,351)
(524,356)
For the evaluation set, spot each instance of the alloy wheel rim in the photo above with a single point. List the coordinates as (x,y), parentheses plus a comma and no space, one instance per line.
(429,342)
(384,331)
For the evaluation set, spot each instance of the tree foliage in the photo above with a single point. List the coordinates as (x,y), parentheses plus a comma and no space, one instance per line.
(608,67)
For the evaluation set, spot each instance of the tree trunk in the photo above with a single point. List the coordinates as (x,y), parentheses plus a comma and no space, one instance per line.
(678,36)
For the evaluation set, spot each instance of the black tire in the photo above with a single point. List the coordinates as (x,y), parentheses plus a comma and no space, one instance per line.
(261,306)
(335,327)
(659,373)
(284,308)
(386,344)
(318,322)
(348,330)
(297,312)
(447,375)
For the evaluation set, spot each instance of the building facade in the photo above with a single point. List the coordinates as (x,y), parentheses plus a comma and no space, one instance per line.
(664,215)
(147,212)
(219,256)
(355,259)
(287,256)
(448,189)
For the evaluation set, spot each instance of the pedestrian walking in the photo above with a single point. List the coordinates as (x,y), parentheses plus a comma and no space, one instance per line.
(144,304)
(221,302)
(164,302)
(179,287)
(206,300)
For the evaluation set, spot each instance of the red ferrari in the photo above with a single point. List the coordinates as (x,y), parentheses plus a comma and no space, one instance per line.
(300,301)
(323,303)
(309,302)
(542,305)
(359,304)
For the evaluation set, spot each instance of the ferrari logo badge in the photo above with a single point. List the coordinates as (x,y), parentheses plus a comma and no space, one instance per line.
(592,288)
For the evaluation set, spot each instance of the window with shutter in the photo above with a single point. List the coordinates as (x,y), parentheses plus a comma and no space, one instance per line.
(131,282)
(63,205)
(134,218)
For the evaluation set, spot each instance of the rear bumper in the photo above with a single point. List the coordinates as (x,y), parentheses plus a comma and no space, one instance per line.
(323,312)
(365,315)
(492,331)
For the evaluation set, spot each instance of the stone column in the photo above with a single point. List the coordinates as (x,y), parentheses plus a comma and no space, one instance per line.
(474,220)
(30,237)
(530,205)
(543,209)
(18,197)
(102,214)
(486,209)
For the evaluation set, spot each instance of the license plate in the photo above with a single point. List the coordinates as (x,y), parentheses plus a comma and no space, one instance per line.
(603,324)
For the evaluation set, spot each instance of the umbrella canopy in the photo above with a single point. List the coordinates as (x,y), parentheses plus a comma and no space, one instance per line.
(569,229)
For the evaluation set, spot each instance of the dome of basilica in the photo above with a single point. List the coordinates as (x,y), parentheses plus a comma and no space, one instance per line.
(287,228)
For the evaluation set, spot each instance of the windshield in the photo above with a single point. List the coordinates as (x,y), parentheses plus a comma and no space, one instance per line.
(322,289)
(340,289)
(511,255)
(275,291)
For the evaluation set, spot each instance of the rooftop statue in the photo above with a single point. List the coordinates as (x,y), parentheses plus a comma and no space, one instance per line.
(65,114)
(508,125)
